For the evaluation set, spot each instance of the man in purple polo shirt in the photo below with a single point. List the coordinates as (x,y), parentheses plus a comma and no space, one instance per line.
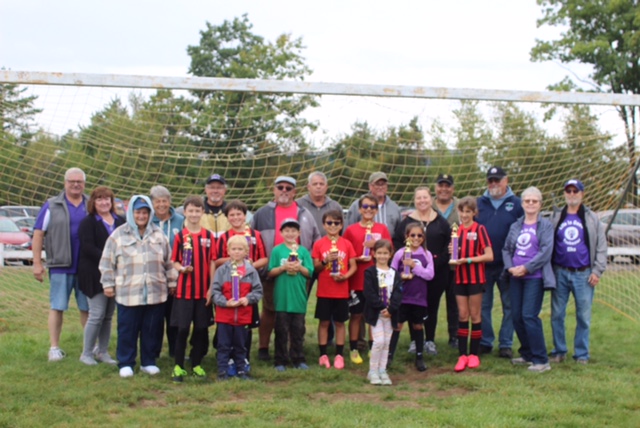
(57,227)
(579,260)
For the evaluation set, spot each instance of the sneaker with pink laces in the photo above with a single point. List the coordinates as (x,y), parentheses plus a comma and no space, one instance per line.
(473,362)
(462,363)
(324,361)
(338,362)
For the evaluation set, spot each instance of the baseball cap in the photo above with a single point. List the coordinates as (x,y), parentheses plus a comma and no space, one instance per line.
(286,179)
(445,178)
(141,203)
(376,176)
(216,177)
(576,183)
(496,172)
(290,222)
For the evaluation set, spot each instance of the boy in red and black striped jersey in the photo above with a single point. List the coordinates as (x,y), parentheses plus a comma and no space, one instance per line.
(474,247)
(236,213)
(194,255)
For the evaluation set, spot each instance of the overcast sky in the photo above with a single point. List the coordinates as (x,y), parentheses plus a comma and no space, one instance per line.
(457,44)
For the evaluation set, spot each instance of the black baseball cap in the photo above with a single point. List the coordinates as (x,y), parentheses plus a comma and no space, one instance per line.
(445,178)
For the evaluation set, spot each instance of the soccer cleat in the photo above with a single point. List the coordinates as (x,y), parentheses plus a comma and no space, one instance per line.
(462,363)
(374,378)
(338,362)
(178,374)
(420,365)
(473,362)
(231,369)
(150,370)
(355,357)
(324,361)
(56,354)
(126,372)
(412,347)
(198,372)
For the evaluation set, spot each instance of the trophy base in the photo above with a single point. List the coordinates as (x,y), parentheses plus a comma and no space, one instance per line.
(453,262)
(405,276)
(334,274)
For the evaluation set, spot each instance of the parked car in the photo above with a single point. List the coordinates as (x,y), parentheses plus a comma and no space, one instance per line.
(19,211)
(25,224)
(624,234)
(16,243)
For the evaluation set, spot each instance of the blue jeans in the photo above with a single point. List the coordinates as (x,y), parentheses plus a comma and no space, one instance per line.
(578,284)
(505,339)
(145,322)
(526,304)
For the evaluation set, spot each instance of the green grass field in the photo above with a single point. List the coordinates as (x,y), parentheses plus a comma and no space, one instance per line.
(34,392)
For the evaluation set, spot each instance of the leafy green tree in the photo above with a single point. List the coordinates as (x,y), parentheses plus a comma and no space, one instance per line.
(604,34)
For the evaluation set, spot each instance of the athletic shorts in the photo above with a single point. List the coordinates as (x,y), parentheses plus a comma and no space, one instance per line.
(332,309)
(61,286)
(357,308)
(468,289)
(413,313)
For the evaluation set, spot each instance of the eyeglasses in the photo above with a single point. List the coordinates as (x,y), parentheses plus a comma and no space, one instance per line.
(416,235)
(494,180)
(369,207)
(530,201)
(284,188)
(333,223)
(571,191)
(378,184)
(75,181)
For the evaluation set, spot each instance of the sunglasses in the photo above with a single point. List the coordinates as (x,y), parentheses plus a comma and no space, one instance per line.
(369,207)
(284,188)
(333,223)
(416,235)
(571,191)
(530,201)
(494,180)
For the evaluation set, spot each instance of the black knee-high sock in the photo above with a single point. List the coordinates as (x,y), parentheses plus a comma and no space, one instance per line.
(393,344)
(463,336)
(323,349)
(476,335)
(339,349)
(353,345)
(418,337)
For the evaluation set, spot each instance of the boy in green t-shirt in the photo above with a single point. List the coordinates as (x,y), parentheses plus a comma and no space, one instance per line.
(291,266)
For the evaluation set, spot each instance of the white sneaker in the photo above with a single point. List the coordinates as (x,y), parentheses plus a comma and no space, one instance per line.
(374,378)
(88,360)
(430,348)
(56,354)
(412,347)
(126,372)
(105,358)
(539,368)
(150,370)
(384,378)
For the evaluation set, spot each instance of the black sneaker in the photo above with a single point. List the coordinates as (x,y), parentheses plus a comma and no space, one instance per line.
(505,353)
(453,342)
(420,365)
(263,355)
(485,349)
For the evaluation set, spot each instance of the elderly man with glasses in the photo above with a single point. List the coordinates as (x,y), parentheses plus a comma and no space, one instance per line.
(579,260)
(267,221)
(388,211)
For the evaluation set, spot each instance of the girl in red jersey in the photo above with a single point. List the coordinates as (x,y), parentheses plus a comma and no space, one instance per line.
(474,250)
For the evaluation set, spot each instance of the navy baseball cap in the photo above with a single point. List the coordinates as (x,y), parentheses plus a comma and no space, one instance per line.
(575,183)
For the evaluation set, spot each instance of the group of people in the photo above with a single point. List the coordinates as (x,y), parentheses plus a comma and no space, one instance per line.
(376,268)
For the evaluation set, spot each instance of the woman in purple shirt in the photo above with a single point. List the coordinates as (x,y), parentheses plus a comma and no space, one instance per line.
(527,260)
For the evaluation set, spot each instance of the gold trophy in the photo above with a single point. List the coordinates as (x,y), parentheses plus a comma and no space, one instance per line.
(335,266)
(455,245)
(406,273)
(293,257)
(366,253)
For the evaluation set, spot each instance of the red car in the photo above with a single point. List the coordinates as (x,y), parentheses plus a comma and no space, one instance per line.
(12,238)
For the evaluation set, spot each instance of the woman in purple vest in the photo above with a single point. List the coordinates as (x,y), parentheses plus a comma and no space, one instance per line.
(527,260)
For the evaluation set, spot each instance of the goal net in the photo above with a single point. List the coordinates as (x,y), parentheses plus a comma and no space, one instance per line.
(132,138)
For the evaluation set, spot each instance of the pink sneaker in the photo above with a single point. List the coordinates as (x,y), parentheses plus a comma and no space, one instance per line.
(338,362)
(324,361)
(462,363)
(474,362)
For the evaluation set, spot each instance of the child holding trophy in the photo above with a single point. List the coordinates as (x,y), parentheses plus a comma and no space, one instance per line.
(362,235)
(383,295)
(236,287)
(469,253)
(193,256)
(415,265)
(335,260)
(291,266)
